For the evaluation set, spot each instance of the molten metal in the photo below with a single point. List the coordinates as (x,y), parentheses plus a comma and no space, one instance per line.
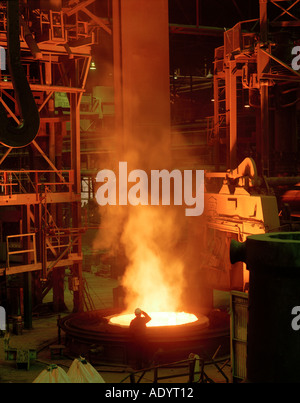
(158,319)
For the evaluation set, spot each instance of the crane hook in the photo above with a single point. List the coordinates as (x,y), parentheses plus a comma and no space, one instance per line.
(25,133)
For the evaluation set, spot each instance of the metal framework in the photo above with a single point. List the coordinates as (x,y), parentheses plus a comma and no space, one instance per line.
(250,72)
(287,15)
(46,186)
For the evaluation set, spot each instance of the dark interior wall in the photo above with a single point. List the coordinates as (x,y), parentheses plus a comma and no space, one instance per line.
(215,13)
(190,53)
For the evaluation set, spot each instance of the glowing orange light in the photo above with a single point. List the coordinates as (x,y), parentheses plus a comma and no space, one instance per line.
(157,319)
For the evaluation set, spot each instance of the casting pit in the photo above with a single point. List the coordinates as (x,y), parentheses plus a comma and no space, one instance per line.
(96,336)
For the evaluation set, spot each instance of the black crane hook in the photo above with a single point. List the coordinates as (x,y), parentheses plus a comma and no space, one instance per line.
(25,133)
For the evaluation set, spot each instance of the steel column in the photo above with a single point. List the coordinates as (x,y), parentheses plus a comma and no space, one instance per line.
(141,68)
(76,206)
(216,124)
(27,277)
(265,128)
(231,114)
(263,20)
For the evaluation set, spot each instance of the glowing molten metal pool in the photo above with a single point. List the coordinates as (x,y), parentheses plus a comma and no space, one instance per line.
(174,334)
(157,319)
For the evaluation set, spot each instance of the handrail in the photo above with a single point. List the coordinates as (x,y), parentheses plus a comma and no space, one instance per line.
(192,370)
(20,251)
(189,361)
(13,182)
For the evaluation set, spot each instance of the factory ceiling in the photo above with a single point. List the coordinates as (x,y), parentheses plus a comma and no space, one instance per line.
(191,49)
(214,13)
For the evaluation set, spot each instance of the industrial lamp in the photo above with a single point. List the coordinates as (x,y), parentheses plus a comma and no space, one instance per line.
(246,100)
(93,65)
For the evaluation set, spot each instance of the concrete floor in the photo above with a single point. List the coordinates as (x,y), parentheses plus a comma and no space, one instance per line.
(44,333)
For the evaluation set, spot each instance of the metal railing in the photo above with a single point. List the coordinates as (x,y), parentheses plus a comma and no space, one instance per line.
(235,40)
(38,182)
(193,369)
(15,246)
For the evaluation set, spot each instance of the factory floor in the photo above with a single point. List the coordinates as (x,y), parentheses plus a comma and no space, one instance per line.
(44,333)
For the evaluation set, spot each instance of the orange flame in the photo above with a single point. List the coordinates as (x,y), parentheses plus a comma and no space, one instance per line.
(158,319)
(154,277)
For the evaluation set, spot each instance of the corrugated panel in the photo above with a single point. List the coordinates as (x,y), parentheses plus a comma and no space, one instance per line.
(240,356)
(239,320)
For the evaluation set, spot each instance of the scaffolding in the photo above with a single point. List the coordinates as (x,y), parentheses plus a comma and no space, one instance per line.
(40,182)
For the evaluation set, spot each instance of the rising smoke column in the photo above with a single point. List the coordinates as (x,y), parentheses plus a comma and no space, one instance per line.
(150,236)
(154,276)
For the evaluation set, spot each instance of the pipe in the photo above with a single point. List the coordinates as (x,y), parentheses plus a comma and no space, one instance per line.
(246,168)
(283,181)
(25,133)
(31,43)
(237,251)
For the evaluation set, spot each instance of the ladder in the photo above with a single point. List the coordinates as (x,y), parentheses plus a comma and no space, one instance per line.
(87,300)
